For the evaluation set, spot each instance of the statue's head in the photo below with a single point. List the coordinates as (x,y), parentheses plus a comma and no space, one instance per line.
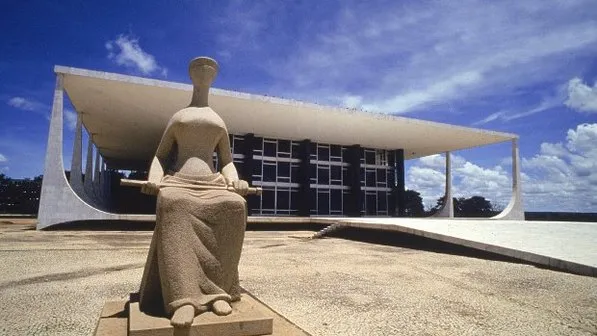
(203,71)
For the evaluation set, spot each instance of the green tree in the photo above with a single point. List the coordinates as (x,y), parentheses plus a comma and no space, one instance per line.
(475,206)
(413,204)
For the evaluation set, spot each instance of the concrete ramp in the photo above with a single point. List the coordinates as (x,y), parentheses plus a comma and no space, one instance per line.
(568,246)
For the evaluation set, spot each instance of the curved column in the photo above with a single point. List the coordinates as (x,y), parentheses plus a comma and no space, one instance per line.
(102,183)
(96,182)
(447,209)
(76,168)
(88,182)
(58,202)
(96,172)
(106,187)
(515,209)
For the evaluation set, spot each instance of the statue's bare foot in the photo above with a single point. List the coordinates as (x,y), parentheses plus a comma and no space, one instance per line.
(221,307)
(183,317)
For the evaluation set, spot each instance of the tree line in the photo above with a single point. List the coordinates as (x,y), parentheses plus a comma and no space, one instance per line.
(475,206)
(21,196)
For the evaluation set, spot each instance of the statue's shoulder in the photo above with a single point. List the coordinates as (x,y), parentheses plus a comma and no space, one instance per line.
(181,115)
(196,116)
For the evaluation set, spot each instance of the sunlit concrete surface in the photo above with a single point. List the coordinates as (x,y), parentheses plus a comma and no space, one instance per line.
(358,282)
(570,246)
(127,116)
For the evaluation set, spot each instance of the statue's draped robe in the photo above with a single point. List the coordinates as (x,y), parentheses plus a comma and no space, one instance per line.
(195,249)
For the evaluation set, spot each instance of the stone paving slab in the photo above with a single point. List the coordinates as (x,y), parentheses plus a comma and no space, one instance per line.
(569,246)
(56,283)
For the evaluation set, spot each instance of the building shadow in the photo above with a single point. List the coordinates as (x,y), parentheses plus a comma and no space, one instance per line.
(103,225)
(414,242)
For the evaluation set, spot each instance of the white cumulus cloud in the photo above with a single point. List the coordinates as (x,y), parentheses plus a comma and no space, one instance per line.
(125,50)
(562,176)
(3,158)
(70,119)
(428,177)
(582,97)
(411,56)
(25,104)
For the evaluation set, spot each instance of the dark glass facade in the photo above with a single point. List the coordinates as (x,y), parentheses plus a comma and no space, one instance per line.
(336,180)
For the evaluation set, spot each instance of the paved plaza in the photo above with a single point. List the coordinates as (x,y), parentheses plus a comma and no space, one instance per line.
(570,246)
(356,282)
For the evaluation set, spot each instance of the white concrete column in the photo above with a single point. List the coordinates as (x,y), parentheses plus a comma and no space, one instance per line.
(96,177)
(447,209)
(106,187)
(96,169)
(103,178)
(515,209)
(53,166)
(58,201)
(88,183)
(76,168)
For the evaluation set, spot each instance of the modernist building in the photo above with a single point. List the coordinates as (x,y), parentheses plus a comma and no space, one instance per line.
(310,160)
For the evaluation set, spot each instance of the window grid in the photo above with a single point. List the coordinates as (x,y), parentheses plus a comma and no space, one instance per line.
(235,143)
(376,182)
(276,170)
(328,179)
(276,166)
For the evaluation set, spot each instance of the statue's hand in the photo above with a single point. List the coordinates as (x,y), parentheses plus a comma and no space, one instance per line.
(150,188)
(241,187)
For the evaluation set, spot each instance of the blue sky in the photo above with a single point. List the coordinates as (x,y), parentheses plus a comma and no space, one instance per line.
(525,67)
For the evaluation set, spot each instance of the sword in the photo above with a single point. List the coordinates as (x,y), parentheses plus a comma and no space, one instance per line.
(139,184)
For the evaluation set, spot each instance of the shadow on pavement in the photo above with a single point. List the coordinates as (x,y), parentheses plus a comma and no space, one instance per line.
(405,240)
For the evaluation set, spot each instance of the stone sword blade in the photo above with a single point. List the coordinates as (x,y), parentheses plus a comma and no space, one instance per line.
(140,183)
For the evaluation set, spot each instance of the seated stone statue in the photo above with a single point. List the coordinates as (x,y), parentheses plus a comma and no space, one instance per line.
(192,266)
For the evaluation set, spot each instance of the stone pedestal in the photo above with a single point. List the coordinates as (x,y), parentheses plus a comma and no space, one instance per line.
(249,318)
(246,320)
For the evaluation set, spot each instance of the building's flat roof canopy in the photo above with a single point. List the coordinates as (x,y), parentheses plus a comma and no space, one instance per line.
(126,116)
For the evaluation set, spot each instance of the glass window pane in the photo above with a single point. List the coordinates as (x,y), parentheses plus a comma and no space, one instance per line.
(370,178)
(323,176)
(336,150)
(323,153)
(258,145)
(296,149)
(336,200)
(382,201)
(371,204)
(268,198)
(381,175)
(269,149)
(283,199)
(269,172)
(369,157)
(323,203)
(390,176)
(336,172)
(284,146)
(313,148)
(284,169)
